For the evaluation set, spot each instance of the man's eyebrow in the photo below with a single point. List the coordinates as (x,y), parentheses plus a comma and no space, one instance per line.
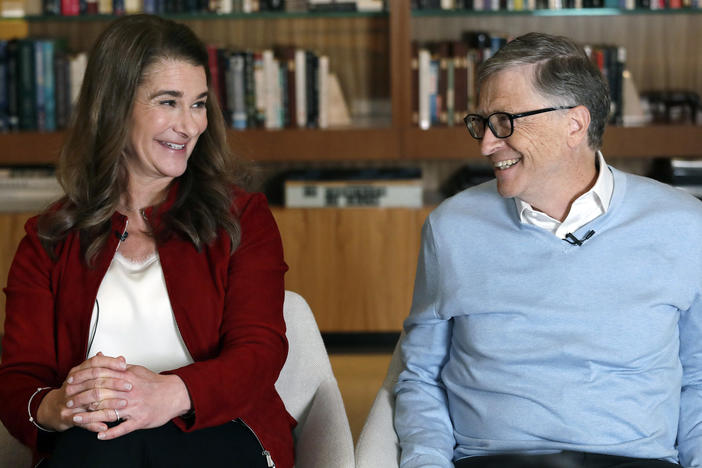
(177,94)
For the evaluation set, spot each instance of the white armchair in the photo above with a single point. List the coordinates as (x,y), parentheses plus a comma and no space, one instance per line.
(378,445)
(306,385)
(311,394)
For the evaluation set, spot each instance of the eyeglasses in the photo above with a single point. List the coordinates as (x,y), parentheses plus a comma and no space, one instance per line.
(501,124)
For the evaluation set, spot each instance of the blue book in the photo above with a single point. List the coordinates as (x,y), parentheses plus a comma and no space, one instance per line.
(39,88)
(49,85)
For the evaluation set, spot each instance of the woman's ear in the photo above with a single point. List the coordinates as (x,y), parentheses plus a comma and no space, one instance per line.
(578,124)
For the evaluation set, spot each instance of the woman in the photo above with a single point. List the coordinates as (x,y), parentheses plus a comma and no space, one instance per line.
(150,296)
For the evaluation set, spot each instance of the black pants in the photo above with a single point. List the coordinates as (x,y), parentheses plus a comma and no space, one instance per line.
(561,460)
(230,445)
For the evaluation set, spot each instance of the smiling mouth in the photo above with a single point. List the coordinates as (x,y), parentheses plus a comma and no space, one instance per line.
(172,145)
(506,164)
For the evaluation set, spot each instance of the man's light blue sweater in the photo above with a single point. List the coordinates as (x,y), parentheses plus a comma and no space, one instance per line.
(520,342)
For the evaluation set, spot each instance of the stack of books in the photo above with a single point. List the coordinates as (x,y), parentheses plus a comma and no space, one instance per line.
(340,188)
(27,189)
(444,76)
(285,87)
(39,84)
(21,8)
(519,5)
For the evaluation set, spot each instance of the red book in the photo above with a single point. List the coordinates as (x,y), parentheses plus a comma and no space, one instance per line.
(213,65)
(414,65)
(70,7)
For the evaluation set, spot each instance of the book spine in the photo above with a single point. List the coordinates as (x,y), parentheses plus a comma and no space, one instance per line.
(288,55)
(62,91)
(442,52)
(70,7)
(4,117)
(259,89)
(282,94)
(434,97)
(249,89)
(323,91)
(77,66)
(459,53)
(414,76)
(270,72)
(300,88)
(118,7)
(312,91)
(229,87)
(49,86)
(424,88)
(238,104)
(105,7)
(27,86)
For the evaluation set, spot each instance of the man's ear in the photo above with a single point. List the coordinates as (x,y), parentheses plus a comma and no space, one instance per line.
(578,123)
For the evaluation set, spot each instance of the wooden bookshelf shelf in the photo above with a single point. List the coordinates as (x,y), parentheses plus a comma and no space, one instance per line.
(34,148)
(557,12)
(367,144)
(622,142)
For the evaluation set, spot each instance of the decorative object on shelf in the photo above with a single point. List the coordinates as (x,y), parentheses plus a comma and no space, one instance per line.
(342,188)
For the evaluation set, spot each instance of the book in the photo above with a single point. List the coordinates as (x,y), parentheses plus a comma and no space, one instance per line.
(300,88)
(28,189)
(414,77)
(26,85)
(323,91)
(424,59)
(393,187)
(12,52)
(4,109)
(339,115)
(49,47)
(459,52)
(312,88)
(237,103)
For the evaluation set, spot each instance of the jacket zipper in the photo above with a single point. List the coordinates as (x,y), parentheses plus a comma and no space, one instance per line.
(264,452)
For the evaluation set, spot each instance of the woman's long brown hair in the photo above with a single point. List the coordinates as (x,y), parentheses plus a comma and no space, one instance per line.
(92,168)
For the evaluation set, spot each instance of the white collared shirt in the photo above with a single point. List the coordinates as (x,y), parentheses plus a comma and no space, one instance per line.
(588,206)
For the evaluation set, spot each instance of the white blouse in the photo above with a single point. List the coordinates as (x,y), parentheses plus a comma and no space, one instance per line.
(132,317)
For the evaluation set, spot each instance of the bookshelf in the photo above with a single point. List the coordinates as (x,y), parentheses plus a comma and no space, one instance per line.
(370,52)
(356,266)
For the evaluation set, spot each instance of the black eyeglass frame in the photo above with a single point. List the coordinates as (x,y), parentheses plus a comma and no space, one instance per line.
(486,120)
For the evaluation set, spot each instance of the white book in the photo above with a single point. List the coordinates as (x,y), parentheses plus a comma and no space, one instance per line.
(300,88)
(272,83)
(323,88)
(105,7)
(339,115)
(77,65)
(133,6)
(448,4)
(424,88)
(224,7)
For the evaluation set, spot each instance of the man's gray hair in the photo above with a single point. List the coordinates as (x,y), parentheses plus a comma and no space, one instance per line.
(563,73)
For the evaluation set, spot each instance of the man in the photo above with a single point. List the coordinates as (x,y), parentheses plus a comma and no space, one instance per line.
(557,312)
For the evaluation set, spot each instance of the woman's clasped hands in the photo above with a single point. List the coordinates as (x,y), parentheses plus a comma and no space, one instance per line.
(105,389)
